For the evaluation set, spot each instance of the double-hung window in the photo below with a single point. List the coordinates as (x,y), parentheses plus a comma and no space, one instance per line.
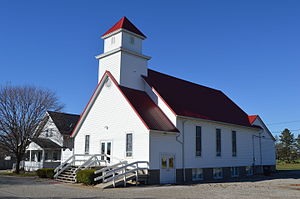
(198,141)
(233,135)
(218,142)
(129,145)
(217,173)
(249,171)
(234,171)
(197,174)
(87,144)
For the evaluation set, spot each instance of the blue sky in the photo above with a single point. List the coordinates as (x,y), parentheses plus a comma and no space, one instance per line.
(248,49)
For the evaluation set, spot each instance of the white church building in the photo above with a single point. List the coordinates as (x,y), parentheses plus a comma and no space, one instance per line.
(184,131)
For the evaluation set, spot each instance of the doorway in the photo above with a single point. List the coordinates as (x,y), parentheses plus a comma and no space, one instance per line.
(105,148)
(167,168)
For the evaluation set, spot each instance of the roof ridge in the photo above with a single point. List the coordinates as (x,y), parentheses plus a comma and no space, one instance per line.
(64,113)
(187,81)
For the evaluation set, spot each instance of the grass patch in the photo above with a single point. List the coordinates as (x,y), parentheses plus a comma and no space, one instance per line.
(286,166)
(20,174)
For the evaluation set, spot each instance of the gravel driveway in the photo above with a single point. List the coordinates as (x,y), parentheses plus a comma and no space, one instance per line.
(282,185)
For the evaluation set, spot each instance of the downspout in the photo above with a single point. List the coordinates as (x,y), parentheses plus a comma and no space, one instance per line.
(182,148)
(260,152)
(253,158)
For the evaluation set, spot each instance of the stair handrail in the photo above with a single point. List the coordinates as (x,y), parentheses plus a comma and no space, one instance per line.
(64,168)
(108,168)
(66,164)
(130,165)
(112,173)
(90,161)
(61,165)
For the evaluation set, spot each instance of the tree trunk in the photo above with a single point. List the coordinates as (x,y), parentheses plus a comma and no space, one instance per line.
(18,165)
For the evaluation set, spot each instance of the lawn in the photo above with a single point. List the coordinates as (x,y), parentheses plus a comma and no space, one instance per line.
(20,174)
(285,166)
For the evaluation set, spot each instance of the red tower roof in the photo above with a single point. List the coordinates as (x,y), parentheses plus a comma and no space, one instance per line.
(124,23)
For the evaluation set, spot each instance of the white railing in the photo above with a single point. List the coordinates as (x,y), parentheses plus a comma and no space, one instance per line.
(95,160)
(122,169)
(83,161)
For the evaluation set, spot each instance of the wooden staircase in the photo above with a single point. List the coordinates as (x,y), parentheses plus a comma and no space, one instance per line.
(68,175)
(123,174)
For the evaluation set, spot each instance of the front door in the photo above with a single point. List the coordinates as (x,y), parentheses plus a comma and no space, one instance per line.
(105,148)
(167,168)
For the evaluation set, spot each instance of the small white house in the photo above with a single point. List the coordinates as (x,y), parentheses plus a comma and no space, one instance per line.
(54,144)
(187,132)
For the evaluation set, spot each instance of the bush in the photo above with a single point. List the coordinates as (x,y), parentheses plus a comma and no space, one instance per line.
(45,173)
(86,176)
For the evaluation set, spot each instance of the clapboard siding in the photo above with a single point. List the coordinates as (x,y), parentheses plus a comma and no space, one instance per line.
(111,110)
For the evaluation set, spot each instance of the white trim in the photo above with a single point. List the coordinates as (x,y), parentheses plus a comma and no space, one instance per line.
(268,131)
(132,135)
(217,122)
(122,30)
(123,50)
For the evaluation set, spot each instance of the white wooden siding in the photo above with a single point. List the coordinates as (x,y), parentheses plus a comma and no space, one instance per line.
(108,45)
(132,69)
(160,103)
(112,64)
(136,46)
(111,110)
(267,143)
(56,136)
(164,143)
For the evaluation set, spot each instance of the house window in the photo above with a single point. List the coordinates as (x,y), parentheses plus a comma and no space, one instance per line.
(129,145)
(132,40)
(32,156)
(87,144)
(249,171)
(113,40)
(27,156)
(218,142)
(197,174)
(198,141)
(55,156)
(234,171)
(46,156)
(217,173)
(233,133)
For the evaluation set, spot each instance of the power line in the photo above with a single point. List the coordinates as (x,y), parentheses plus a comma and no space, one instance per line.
(288,122)
(277,132)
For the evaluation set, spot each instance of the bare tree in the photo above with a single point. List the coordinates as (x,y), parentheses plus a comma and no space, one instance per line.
(22,110)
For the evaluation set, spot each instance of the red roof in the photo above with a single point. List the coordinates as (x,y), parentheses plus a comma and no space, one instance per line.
(124,23)
(148,110)
(252,118)
(192,100)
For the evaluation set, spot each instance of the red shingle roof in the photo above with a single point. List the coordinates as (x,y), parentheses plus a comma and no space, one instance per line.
(193,100)
(152,115)
(124,23)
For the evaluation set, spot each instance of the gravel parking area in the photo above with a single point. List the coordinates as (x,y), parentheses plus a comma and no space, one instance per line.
(282,185)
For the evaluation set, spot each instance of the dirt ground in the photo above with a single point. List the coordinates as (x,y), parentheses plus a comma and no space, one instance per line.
(282,185)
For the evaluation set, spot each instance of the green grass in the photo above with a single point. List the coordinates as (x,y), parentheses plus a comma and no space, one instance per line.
(20,174)
(284,166)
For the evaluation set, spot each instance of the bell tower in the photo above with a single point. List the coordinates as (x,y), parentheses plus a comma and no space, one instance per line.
(123,56)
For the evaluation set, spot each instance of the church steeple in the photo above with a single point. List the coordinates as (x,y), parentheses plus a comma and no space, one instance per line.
(125,24)
(123,54)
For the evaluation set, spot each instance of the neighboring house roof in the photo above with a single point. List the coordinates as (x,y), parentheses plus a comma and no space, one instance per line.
(192,100)
(152,115)
(64,122)
(124,23)
(45,143)
(252,118)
